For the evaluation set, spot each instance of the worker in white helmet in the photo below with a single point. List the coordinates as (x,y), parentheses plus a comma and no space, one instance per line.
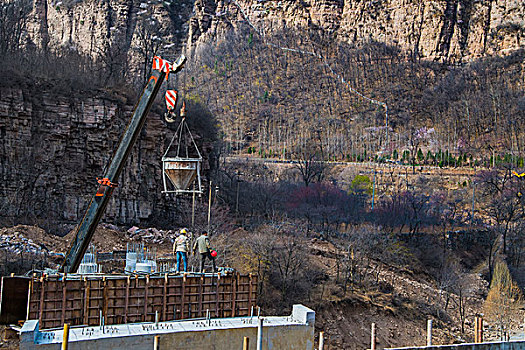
(181,246)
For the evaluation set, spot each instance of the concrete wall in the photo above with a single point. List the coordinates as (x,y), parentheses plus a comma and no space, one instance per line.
(288,337)
(292,332)
(512,345)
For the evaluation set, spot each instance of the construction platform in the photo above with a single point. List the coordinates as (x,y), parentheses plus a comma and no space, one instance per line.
(277,332)
(118,299)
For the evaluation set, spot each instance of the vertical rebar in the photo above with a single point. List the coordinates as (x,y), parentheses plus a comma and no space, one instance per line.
(156,342)
(373,337)
(259,334)
(65,336)
(480,329)
(429,332)
(476,320)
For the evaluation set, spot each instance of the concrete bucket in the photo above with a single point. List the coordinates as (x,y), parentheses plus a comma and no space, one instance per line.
(181,171)
(181,164)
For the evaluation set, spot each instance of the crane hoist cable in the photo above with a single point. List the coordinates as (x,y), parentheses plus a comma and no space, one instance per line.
(181,162)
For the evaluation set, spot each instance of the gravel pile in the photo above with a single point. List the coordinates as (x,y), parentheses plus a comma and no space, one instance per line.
(150,235)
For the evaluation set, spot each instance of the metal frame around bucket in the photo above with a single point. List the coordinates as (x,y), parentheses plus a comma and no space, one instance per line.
(167,161)
(181,163)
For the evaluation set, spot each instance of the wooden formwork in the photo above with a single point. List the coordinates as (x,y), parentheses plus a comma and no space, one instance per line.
(56,300)
(13,299)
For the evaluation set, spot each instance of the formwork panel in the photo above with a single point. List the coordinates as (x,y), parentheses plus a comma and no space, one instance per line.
(13,299)
(55,300)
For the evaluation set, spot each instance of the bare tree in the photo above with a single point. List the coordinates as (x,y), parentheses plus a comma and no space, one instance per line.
(310,162)
(150,37)
(502,200)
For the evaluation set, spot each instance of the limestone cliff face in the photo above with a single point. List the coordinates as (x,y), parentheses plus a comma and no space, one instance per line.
(445,29)
(110,27)
(433,29)
(53,147)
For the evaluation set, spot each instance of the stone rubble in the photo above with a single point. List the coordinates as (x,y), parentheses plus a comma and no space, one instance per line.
(16,243)
(150,235)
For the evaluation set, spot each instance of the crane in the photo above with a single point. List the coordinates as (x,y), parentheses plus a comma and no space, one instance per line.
(86,228)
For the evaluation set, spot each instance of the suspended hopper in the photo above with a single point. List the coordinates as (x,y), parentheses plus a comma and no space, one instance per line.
(181,164)
(181,172)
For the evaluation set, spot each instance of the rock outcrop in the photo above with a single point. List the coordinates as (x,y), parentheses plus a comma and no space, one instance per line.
(448,30)
(53,147)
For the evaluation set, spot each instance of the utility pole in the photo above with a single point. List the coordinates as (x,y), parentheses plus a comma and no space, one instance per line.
(374,190)
(473,203)
(209,207)
(193,208)
(237,201)
(386,124)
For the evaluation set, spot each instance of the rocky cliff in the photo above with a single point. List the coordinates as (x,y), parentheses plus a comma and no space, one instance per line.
(54,146)
(433,29)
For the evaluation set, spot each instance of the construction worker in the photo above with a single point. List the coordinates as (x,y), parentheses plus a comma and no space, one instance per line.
(181,246)
(203,245)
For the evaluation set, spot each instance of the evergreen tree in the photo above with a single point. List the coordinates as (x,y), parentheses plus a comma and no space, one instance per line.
(420,156)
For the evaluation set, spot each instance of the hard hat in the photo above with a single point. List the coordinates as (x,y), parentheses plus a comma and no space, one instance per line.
(213,253)
(183,230)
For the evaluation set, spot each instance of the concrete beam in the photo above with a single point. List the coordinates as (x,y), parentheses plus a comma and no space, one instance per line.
(29,334)
(304,315)
(295,332)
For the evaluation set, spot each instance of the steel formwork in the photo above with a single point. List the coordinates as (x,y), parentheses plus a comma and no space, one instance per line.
(116,299)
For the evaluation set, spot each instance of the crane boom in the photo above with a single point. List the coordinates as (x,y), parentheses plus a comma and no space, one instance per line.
(86,228)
